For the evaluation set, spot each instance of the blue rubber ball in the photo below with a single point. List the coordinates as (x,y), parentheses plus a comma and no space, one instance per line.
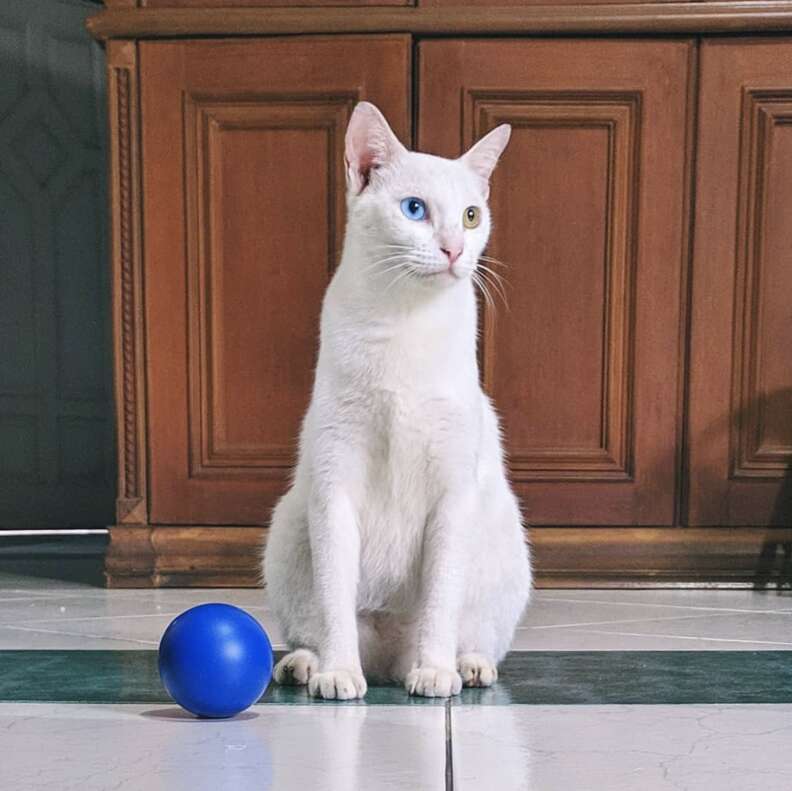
(215,660)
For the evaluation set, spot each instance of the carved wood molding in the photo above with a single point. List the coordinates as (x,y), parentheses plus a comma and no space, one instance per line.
(176,556)
(592,557)
(124,122)
(672,17)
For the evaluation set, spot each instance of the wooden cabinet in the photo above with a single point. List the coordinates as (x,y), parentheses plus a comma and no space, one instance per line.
(642,367)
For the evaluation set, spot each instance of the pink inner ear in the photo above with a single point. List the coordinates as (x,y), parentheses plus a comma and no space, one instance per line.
(366,164)
(361,158)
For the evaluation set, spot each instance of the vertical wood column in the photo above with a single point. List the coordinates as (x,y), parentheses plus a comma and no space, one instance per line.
(124,120)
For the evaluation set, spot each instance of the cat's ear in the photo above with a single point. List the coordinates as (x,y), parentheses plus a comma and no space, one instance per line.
(482,157)
(370,144)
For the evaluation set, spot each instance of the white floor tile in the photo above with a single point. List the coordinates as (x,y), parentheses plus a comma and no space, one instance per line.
(758,630)
(677,597)
(622,748)
(591,640)
(52,615)
(283,748)
(112,619)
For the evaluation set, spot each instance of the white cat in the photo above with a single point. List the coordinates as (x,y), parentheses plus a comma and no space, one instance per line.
(399,551)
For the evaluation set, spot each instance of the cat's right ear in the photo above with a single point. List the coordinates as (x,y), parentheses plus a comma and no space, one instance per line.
(370,144)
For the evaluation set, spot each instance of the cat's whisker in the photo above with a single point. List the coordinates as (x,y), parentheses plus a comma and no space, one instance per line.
(485,292)
(388,259)
(400,276)
(487,298)
(491,260)
(487,276)
(498,282)
(500,278)
(390,268)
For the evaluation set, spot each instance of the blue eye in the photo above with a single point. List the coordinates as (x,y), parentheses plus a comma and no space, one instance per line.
(413,208)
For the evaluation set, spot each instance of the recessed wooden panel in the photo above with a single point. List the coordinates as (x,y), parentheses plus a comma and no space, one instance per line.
(252,168)
(588,205)
(741,374)
(762,428)
(244,210)
(579,401)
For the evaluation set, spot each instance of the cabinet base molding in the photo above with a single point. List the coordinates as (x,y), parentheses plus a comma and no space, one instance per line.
(149,556)
(164,556)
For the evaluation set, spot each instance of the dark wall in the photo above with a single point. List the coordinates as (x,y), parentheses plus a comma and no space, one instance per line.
(56,438)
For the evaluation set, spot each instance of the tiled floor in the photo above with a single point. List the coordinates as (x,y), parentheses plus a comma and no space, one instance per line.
(500,746)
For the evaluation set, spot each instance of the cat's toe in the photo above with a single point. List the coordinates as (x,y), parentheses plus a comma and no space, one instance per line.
(433,682)
(296,667)
(477,671)
(337,685)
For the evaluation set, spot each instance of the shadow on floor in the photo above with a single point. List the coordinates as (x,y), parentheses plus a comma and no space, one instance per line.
(73,559)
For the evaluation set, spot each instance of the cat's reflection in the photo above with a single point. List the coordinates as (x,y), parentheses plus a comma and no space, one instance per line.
(327,747)
(491,744)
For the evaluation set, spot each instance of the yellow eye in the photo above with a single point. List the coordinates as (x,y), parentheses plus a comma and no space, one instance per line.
(471,217)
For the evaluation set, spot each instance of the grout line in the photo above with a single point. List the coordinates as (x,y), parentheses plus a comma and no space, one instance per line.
(79,634)
(786,611)
(682,637)
(122,617)
(449,750)
(628,620)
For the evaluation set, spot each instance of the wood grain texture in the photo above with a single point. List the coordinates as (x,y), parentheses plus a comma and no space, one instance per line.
(244,217)
(592,557)
(588,206)
(741,365)
(682,17)
(128,314)
(254,294)
(176,557)
(271,3)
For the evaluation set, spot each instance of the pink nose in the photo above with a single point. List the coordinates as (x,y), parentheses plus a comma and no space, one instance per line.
(452,252)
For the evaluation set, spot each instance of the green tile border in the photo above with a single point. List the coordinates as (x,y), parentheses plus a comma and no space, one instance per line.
(526,677)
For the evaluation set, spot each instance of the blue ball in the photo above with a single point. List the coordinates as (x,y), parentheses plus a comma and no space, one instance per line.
(215,660)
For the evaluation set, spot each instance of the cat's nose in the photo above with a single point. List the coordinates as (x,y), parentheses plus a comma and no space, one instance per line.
(452,252)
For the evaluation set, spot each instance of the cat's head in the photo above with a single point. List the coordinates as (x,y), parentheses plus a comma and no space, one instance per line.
(419,217)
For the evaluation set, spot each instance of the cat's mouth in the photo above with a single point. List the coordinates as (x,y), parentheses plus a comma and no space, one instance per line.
(435,273)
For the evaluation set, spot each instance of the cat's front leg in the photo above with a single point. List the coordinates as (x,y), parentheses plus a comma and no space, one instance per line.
(335,551)
(443,579)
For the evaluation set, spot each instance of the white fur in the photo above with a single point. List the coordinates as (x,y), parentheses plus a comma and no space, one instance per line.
(399,552)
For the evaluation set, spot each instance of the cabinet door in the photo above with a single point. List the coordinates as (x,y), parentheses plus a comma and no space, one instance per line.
(741,353)
(243,218)
(588,205)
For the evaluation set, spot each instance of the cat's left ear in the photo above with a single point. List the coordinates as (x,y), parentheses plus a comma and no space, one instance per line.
(370,144)
(482,157)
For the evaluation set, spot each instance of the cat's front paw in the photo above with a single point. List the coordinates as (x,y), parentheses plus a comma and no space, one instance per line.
(337,685)
(433,682)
